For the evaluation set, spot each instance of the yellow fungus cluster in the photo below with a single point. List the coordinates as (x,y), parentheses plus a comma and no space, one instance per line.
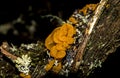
(88,6)
(57,42)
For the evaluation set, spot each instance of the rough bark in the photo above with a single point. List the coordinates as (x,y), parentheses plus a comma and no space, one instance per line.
(105,38)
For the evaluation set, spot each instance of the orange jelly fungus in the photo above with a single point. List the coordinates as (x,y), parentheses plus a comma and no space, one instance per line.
(57,42)
(24,75)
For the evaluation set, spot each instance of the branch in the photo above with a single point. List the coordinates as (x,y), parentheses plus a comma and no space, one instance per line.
(3,48)
(91,24)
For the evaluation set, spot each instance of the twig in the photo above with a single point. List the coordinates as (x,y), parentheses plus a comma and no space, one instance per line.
(3,48)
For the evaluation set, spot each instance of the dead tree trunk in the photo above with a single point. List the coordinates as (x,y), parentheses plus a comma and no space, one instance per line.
(104,39)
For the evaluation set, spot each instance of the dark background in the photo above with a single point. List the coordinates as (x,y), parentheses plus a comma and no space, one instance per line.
(11,9)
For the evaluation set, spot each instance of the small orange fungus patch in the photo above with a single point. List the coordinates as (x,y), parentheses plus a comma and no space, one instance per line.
(89,6)
(73,20)
(57,68)
(49,65)
(24,75)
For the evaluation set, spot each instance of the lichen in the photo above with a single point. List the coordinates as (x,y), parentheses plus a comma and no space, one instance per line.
(95,64)
(23,65)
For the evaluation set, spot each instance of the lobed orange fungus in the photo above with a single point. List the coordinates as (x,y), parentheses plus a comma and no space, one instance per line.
(57,42)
